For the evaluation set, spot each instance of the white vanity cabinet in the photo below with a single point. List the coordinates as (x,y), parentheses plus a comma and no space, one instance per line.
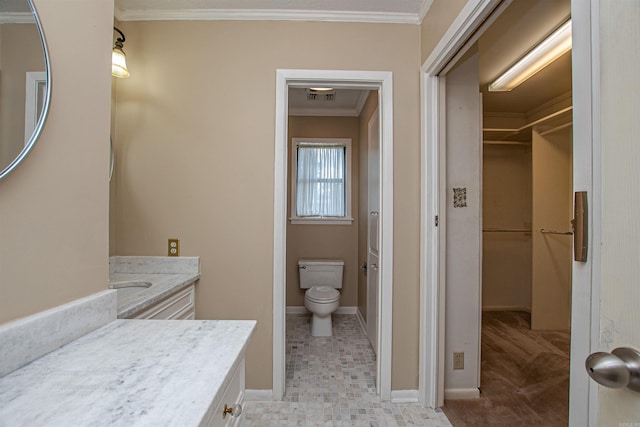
(179,306)
(228,413)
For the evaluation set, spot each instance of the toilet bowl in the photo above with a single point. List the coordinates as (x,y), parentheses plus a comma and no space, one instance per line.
(321,301)
(322,279)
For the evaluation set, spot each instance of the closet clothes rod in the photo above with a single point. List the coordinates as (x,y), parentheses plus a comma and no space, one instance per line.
(506,230)
(563,233)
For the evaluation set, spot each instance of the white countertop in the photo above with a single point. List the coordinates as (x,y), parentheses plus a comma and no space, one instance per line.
(128,373)
(162,285)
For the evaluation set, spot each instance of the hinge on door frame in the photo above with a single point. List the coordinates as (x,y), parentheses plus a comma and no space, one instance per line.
(437,220)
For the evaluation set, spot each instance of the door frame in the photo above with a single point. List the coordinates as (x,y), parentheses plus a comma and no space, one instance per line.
(375,80)
(375,117)
(585,276)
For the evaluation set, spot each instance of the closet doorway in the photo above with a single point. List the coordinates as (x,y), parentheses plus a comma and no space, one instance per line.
(526,240)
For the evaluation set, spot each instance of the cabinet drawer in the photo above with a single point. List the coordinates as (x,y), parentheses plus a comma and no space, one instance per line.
(233,394)
(176,306)
(188,314)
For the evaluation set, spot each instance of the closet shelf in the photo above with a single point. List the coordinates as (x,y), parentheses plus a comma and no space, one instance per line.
(564,233)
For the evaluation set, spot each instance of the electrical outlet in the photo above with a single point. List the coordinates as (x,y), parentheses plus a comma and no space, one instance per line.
(458,360)
(174,247)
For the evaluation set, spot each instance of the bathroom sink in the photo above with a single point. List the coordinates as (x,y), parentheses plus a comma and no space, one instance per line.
(129,287)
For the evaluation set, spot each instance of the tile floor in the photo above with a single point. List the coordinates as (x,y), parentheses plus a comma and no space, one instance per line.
(331,382)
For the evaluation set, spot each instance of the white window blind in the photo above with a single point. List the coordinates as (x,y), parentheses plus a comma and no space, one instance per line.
(320,181)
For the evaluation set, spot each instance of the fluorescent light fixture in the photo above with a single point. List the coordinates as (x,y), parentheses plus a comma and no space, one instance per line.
(321,89)
(552,48)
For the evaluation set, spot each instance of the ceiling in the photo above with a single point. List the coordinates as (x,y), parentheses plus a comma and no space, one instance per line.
(14,6)
(519,28)
(399,11)
(544,100)
(345,102)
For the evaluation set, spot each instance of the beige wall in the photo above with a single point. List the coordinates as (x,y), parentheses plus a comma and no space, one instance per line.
(325,241)
(463,249)
(437,21)
(365,115)
(552,210)
(506,204)
(195,149)
(20,53)
(54,207)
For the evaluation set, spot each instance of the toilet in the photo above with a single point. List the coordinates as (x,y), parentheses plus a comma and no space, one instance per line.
(321,278)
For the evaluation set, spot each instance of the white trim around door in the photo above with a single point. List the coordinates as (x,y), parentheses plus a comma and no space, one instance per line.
(585,277)
(432,230)
(374,80)
(585,297)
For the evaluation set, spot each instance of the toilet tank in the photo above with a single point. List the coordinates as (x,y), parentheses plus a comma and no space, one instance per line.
(320,272)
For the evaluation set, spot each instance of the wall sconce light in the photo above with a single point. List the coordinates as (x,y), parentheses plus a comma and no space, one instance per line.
(118,58)
(551,48)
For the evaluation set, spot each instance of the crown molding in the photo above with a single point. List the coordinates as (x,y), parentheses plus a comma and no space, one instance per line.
(364,95)
(324,112)
(117,13)
(267,15)
(507,115)
(425,5)
(561,101)
(17,18)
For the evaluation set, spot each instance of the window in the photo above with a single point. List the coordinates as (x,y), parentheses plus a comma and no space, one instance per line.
(321,181)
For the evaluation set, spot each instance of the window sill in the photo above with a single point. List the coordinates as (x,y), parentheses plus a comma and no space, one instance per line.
(321,221)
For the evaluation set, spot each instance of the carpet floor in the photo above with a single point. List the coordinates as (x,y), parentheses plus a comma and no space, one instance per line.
(524,376)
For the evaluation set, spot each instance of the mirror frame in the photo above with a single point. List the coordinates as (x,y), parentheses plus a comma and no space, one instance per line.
(28,146)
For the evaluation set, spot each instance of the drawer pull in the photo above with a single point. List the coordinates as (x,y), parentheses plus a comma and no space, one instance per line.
(234,410)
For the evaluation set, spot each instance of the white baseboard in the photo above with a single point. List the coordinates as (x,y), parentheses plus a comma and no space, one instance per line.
(363,324)
(404,396)
(506,308)
(461,393)
(347,310)
(258,395)
(297,309)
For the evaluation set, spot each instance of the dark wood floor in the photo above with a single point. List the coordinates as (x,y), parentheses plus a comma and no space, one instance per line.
(524,376)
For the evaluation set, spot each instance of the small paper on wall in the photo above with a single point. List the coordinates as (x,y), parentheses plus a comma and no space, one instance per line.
(460,197)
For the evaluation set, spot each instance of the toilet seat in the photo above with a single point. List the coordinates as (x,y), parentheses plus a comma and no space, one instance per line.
(322,295)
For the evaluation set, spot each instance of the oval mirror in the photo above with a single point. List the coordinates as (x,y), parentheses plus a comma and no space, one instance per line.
(25,85)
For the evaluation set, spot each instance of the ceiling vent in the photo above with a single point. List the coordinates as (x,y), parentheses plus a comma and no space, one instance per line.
(321,94)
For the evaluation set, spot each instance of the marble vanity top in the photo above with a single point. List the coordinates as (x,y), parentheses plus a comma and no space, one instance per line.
(128,373)
(167,276)
(162,285)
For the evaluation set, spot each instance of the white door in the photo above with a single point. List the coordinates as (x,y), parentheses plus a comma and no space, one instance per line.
(619,137)
(373,235)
